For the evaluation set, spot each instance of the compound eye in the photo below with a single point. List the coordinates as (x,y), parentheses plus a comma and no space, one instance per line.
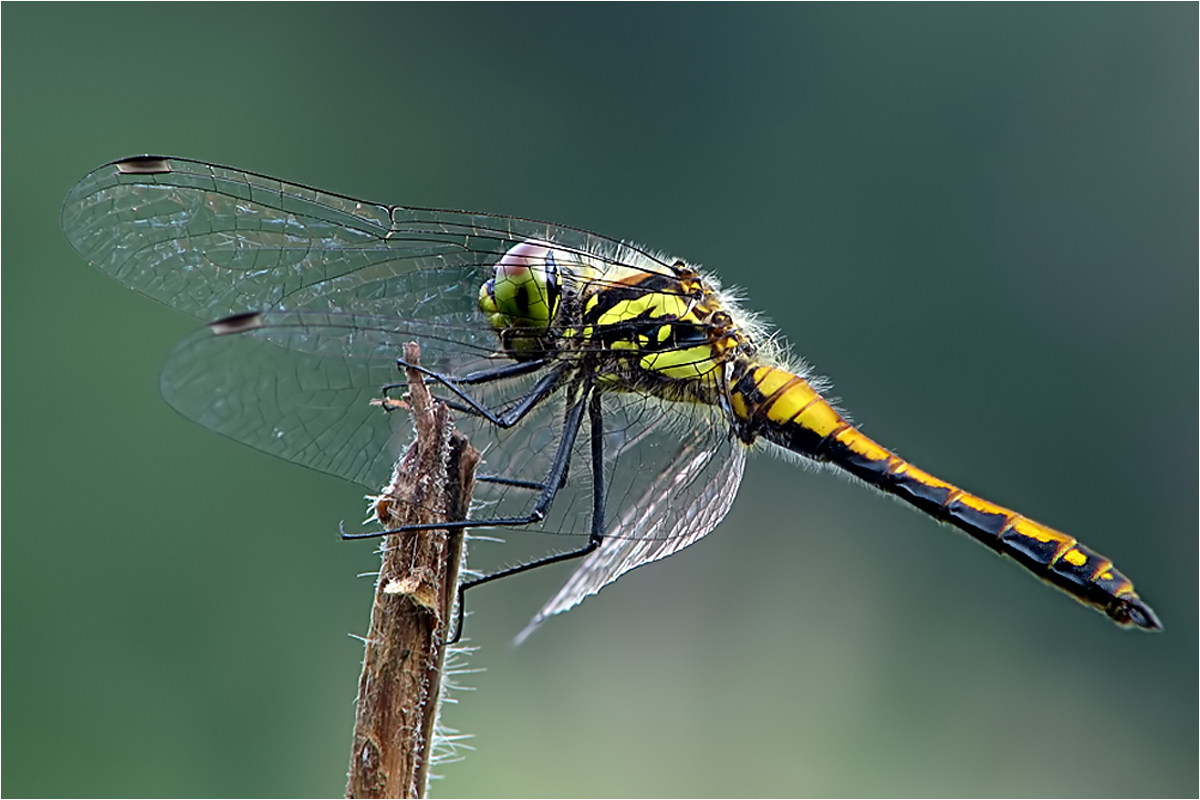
(524,289)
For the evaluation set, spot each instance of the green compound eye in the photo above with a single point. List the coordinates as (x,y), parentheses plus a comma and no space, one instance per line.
(522,298)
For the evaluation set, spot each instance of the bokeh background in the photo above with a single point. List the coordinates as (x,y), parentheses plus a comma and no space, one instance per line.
(980,221)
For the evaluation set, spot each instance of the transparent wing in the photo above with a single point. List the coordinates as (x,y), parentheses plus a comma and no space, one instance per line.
(213,241)
(305,386)
(299,387)
(690,497)
(361,279)
(344,284)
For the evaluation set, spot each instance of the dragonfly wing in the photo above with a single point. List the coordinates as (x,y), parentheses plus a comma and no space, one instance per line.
(214,241)
(306,386)
(690,497)
(301,386)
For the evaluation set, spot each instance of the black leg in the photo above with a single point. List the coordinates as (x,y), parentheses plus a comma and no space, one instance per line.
(545,387)
(599,490)
(481,376)
(506,371)
(554,481)
(534,485)
(596,423)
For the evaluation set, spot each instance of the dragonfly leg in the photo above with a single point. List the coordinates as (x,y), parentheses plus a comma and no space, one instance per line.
(532,485)
(599,490)
(554,481)
(539,392)
(596,424)
(545,387)
(506,371)
(479,376)
(523,407)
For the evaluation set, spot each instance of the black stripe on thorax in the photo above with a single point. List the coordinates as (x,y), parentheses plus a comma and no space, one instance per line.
(611,296)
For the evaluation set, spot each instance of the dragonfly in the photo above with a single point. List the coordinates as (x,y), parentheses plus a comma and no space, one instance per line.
(615,391)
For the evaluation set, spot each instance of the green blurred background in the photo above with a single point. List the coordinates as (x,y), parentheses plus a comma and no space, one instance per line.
(979,220)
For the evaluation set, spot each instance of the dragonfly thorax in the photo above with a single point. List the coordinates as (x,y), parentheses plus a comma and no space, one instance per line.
(655,327)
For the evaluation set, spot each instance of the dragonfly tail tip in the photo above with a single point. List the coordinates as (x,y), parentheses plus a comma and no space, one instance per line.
(1134,612)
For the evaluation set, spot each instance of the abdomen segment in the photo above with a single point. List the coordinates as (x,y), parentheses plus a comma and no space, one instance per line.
(785,409)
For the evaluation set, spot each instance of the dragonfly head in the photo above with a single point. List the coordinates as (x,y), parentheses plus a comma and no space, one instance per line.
(522,297)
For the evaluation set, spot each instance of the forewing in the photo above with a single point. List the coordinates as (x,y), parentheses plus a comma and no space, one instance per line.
(213,241)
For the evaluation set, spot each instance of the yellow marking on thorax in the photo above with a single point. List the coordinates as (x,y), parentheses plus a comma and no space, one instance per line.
(677,364)
(691,363)
(652,305)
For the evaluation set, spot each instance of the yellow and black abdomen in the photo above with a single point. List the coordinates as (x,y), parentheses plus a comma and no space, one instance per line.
(785,409)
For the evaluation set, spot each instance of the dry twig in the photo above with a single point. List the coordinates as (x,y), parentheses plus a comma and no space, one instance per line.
(400,685)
